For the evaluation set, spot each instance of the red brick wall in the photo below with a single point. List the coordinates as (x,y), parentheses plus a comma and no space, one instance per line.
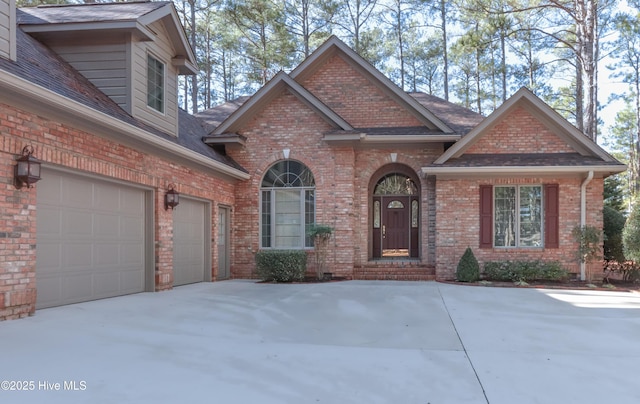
(342,177)
(520,132)
(458,222)
(63,146)
(346,91)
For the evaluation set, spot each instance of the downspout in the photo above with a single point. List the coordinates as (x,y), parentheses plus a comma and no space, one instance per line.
(583,216)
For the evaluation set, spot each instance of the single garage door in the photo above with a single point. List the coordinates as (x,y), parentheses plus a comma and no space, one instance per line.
(189,247)
(90,239)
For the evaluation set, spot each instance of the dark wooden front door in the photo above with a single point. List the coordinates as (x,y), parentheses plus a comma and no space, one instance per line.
(393,233)
(395,227)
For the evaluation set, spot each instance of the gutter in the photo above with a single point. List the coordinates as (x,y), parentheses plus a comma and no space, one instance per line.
(532,170)
(583,215)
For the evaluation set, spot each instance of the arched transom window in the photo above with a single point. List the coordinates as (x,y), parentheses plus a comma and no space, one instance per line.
(287,205)
(395,184)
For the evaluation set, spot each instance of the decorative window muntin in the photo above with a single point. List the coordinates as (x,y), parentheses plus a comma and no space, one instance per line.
(395,184)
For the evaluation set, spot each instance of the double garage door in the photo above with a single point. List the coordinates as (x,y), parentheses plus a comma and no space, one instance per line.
(93,240)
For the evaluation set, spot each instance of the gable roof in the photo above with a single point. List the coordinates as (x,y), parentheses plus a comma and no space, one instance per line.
(270,91)
(588,155)
(42,81)
(101,18)
(335,46)
(461,119)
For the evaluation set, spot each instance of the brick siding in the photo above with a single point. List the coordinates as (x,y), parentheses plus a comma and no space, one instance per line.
(458,223)
(520,132)
(59,145)
(346,91)
(343,178)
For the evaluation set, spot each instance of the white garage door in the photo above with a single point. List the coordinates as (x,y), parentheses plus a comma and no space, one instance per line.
(90,239)
(189,247)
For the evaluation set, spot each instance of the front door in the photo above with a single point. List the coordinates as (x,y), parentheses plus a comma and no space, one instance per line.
(396,216)
(395,227)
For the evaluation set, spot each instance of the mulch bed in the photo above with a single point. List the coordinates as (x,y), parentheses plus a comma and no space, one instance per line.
(311,279)
(613,286)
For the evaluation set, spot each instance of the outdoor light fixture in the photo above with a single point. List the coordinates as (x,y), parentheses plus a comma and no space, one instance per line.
(27,170)
(171,198)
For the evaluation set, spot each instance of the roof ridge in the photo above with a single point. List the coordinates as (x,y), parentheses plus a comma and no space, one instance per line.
(95,4)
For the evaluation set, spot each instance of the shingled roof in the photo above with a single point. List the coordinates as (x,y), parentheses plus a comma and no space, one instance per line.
(90,12)
(460,119)
(39,65)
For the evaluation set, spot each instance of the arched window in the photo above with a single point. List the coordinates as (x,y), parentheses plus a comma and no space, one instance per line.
(395,184)
(287,205)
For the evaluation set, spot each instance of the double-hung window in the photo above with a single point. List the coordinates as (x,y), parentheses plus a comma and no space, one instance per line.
(518,216)
(287,206)
(155,84)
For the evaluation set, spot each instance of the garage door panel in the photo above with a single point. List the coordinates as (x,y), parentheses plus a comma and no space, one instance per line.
(49,221)
(107,254)
(107,198)
(131,281)
(76,193)
(77,255)
(77,287)
(132,228)
(132,254)
(107,225)
(49,258)
(77,223)
(49,291)
(106,284)
(130,202)
(89,245)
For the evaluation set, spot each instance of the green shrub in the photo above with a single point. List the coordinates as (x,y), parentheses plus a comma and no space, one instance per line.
(631,234)
(612,226)
(281,265)
(468,268)
(524,271)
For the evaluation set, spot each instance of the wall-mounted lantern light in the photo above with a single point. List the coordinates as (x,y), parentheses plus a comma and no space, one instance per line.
(27,171)
(171,198)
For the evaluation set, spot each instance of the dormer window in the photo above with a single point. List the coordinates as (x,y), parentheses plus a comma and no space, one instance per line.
(155,84)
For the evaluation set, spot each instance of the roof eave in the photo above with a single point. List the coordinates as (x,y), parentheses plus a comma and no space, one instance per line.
(582,144)
(268,92)
(363,138)
(110,27)
(606,169)
(227,139)
(95,121)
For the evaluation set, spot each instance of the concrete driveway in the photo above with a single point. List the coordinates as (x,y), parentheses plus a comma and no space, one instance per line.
(346,342)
